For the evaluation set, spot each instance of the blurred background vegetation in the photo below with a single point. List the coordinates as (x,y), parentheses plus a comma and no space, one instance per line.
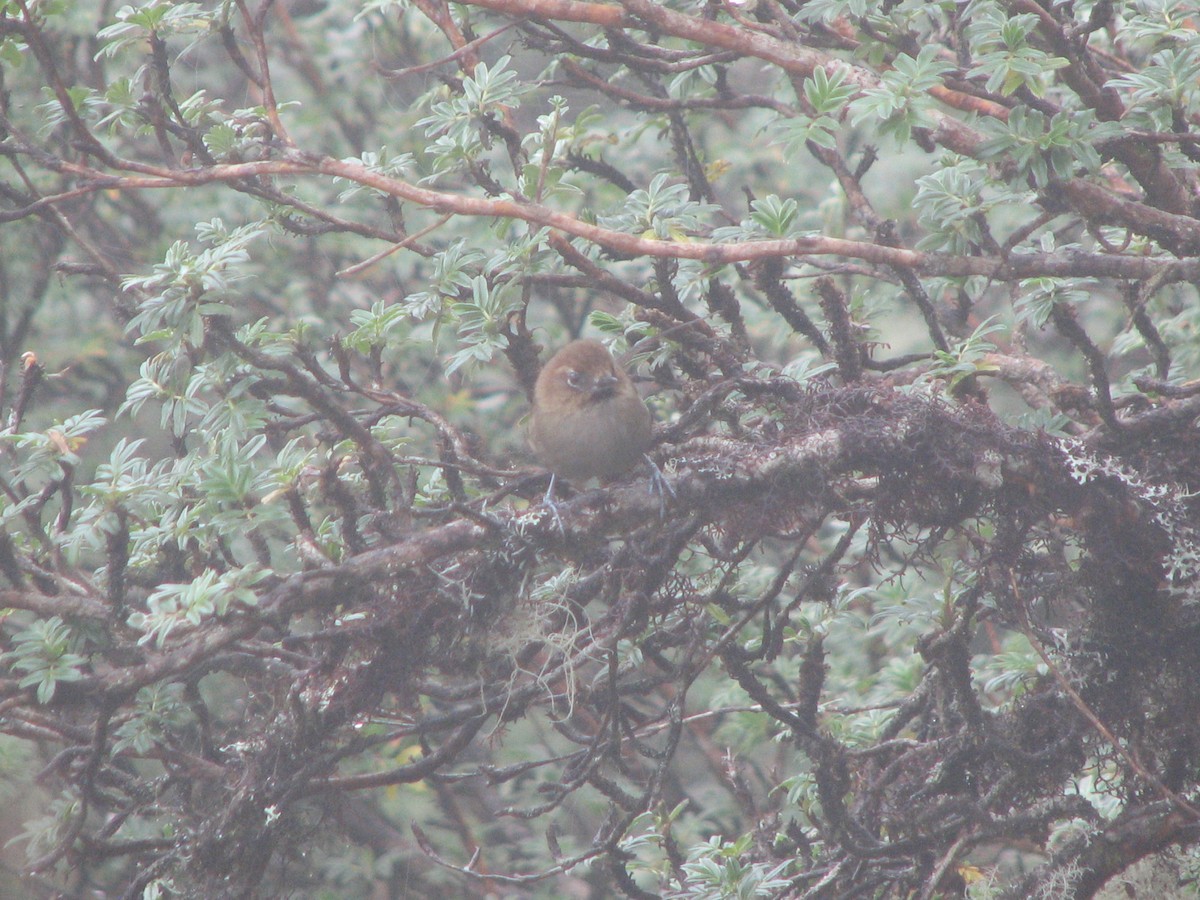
(283,614)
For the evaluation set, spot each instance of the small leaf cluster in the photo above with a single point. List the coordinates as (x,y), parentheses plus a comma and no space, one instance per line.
(1003,53)
(827,94)
(172,607)
(901,102)
(1044,147)
(47,651)
(662,211)
(458,125)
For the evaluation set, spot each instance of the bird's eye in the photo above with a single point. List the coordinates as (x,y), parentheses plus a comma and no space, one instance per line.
(574,379)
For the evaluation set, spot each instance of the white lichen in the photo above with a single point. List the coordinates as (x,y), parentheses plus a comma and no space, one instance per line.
(1167,510)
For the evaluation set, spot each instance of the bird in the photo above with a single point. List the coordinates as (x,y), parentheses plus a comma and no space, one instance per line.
(588,419)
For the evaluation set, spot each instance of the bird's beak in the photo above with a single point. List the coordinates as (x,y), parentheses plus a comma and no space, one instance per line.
(603,386)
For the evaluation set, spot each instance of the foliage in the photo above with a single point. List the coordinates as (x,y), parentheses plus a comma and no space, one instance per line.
(911,290)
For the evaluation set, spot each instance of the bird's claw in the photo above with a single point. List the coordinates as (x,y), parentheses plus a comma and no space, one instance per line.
(659,485)
(553,507)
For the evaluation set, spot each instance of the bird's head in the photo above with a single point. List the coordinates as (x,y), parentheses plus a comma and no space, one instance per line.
(583,372)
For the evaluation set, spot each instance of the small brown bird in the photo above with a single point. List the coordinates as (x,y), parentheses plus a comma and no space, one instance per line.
(588,420)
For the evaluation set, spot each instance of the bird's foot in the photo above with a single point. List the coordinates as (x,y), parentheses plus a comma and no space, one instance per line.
(659,486)
(548,500)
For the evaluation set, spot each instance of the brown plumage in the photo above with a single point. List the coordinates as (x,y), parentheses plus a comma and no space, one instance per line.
(588,420)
